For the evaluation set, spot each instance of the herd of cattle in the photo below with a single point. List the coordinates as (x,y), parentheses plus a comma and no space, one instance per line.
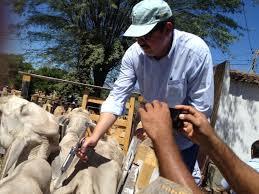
(35,152)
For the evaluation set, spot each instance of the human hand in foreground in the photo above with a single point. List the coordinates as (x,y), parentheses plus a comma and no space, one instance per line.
(156,120)
(200,130)
(87,143)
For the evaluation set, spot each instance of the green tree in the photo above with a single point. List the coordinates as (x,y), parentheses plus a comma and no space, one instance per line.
(86,35)
(47,86)
(10,65)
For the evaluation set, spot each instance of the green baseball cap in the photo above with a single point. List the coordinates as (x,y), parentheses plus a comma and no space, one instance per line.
(145,15)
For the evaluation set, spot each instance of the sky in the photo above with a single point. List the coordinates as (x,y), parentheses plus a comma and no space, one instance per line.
(240,56)
(240,53)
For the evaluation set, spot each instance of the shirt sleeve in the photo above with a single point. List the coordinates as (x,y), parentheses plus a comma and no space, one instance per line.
(201,83)
(115,102)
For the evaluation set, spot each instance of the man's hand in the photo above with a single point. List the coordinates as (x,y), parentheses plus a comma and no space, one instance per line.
(86,143)
(156,121)
(106,120)
(198,128)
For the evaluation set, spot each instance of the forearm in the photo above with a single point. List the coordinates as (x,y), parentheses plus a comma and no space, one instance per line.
(241,177)
(106,120)
(171,165)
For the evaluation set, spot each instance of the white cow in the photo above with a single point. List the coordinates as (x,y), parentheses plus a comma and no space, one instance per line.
(31,176)
(32,132)
(26,130)
(99,175)
(103,169)
(78,121)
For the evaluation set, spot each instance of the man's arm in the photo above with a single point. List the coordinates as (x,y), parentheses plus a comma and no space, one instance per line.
(241,177)
(171,165)
(114,104)
(201,81)
(106,120)
(157,122)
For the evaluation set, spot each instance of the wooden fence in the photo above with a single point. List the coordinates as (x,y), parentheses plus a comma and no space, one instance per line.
(121,130)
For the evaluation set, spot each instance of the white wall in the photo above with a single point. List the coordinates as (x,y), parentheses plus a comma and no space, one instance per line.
(238,115)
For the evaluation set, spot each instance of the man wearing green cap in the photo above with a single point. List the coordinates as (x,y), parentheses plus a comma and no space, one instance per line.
(169,65)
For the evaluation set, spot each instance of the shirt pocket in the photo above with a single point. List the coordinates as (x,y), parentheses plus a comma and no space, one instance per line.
(176,92)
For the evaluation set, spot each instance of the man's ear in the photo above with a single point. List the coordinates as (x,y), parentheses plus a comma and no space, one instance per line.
(169,27)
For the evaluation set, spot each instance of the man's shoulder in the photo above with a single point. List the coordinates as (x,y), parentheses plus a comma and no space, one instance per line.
(134,49)
(190,41)
(187,37)
(133,54)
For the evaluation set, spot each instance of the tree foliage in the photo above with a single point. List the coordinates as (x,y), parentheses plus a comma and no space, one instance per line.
(45,85)
(86,35)
(209,19)
(10,65)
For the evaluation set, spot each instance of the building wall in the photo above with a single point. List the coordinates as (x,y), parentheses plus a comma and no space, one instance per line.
(238,115)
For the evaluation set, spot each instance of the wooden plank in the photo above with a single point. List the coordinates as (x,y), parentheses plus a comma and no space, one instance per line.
(119,122)
(164,186)
(85,99)
(122,136)
(145,176)
(129,186)
(95,100)
(219,74)
(26,79)
(129,123)
(149,165)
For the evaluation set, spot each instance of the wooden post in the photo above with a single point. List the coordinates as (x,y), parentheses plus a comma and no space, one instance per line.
(129,124)
(85,98)
(26,79)
(219,73)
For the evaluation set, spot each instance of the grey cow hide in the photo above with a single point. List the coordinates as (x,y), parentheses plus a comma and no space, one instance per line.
(32,176)
(99,175)
(26,131)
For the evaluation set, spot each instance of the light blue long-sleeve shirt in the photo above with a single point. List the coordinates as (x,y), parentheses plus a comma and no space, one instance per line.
(184,76)
(254,163)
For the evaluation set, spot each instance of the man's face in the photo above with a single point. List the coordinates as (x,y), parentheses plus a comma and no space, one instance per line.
(155,44)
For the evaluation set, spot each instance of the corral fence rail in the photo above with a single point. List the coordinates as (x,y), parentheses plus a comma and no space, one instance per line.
(123,124)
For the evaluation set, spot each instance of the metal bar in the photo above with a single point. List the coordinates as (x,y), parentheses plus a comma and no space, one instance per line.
(66,81)
(62,80)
